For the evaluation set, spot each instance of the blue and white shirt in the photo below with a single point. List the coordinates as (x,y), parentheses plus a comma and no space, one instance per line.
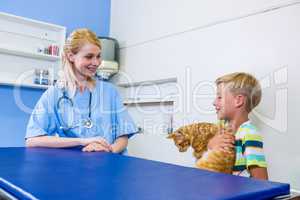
(249,149)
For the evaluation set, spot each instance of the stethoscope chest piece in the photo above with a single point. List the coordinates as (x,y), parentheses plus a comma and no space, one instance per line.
(88,123)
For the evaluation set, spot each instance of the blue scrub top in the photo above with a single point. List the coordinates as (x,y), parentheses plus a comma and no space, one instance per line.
(110,118)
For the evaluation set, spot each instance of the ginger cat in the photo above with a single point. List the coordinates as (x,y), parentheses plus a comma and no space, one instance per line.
(197,135)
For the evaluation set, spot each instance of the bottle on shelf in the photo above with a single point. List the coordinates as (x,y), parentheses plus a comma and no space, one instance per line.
(41,77)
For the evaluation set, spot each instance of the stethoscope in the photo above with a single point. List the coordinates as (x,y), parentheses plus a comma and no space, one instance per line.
(64,99)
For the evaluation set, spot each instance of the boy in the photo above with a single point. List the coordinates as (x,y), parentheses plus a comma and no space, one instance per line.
(237,95)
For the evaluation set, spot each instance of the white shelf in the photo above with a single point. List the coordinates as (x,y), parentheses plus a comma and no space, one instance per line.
(39,56)
(28,85)
(149,82)
(28,36)
(148,101)
(144,92)
(30,22)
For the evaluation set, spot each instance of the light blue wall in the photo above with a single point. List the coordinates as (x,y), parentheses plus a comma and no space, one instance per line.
(92,14)
(13,116)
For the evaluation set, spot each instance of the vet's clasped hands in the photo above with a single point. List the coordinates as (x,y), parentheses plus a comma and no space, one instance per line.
(96,144)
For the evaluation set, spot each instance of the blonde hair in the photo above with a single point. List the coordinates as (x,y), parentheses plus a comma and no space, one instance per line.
(245,84)
(76,40)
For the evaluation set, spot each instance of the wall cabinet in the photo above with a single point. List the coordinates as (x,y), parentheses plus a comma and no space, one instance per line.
(28,46)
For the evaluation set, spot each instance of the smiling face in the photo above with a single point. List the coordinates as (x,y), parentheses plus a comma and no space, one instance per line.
(224,102)
(86,61)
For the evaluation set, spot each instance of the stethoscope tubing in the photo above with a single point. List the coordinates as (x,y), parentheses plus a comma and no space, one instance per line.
(62,125)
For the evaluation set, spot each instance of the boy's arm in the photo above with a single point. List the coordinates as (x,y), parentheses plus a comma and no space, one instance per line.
(258,172)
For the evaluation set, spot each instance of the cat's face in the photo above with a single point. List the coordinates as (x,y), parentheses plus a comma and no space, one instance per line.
(181,141)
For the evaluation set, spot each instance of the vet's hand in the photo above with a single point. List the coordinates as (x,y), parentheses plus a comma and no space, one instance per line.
(100,140)
(222,142)
(95,146)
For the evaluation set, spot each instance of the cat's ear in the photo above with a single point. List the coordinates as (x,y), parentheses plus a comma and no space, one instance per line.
(171,136)
(175,134)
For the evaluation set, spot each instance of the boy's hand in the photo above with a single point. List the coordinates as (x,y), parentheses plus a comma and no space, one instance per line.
(222,142)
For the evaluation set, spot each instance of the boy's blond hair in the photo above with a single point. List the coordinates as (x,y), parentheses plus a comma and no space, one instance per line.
(245,84)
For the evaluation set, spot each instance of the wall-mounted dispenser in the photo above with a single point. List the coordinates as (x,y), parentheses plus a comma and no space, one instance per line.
(110,58)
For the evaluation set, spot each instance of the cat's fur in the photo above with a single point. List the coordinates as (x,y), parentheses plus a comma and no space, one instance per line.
(197,135)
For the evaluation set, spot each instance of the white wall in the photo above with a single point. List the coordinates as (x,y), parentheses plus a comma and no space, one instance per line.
(197,41)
